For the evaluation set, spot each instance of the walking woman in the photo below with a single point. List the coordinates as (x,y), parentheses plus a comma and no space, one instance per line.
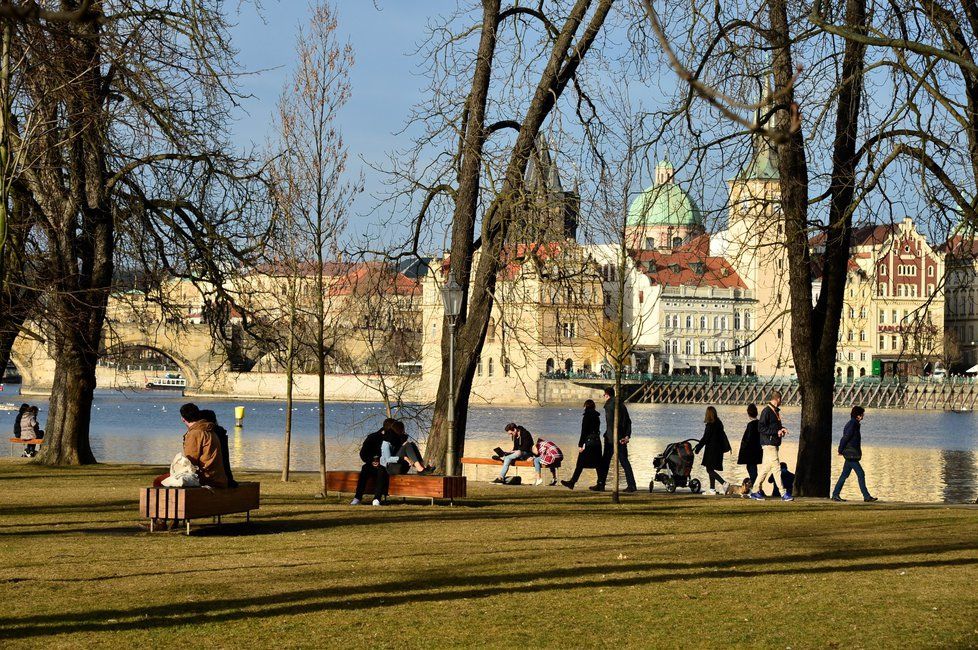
(750,452)
(589,445)
(850,448)
(715,442)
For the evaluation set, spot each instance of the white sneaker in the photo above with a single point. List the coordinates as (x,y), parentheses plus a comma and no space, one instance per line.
(711,492)
(376,502)
(539,481)
(725,488)
(355,502)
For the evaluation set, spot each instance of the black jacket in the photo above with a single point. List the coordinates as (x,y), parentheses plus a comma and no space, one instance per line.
(852,440)
(750,452)
(222,436)
(624,426)
(370,448)
(715,441)
(523,441)
(590,440)
(768,426)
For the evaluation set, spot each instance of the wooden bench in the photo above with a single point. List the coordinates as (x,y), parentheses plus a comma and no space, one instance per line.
(189,503)
(25,441)
(403,485)
(497,463)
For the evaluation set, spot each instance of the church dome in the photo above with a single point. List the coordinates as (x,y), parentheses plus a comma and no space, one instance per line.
(664,204)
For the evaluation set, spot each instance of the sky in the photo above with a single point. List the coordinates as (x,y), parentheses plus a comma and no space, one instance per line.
(385,81)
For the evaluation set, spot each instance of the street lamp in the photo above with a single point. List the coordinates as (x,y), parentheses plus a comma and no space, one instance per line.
(451,297)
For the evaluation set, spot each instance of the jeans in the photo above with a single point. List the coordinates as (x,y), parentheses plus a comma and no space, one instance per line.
(847,468)
(770,466)
(715,476)
(752,473)
(508,460)
(407,455)
(538,466)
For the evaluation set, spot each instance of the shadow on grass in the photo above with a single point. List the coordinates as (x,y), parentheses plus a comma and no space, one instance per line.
(466,586)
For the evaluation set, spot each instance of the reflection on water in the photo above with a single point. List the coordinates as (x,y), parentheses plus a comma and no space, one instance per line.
(907,455)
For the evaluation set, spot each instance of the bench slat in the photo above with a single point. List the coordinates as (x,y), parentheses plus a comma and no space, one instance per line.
(194,503)
(489,461)
(404,485)
(28,441)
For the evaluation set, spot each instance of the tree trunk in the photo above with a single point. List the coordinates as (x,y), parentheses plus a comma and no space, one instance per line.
(289,386)
(813,472)
(66,435)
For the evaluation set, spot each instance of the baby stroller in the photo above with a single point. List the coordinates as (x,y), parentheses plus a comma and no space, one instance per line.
(673,465)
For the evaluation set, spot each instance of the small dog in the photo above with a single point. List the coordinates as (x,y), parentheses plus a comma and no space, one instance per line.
(742,490)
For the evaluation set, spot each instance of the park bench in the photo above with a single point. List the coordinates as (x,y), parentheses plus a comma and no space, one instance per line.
(403,485)
(25,441)
(477,462)
(189,503)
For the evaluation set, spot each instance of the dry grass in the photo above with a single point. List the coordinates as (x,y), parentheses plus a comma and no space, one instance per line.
(511,567)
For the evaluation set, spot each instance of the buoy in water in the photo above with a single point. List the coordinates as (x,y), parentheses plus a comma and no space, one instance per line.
(239,413)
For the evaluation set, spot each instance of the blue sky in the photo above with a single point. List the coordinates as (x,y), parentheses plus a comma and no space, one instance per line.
(385,80)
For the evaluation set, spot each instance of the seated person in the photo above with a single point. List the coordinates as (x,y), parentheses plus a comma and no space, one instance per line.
(522,449)
(370,455)
(787,480)
(202,448)
(222,435)
(29,429)
(548,454)
(398,454)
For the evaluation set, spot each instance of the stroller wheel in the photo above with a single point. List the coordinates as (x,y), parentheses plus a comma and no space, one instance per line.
(694,486)
(652,485)
(670,486)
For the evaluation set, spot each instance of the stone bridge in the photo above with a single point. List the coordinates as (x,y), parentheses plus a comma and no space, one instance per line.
(189,346)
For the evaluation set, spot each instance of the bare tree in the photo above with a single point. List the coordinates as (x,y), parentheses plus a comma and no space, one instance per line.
(313,164)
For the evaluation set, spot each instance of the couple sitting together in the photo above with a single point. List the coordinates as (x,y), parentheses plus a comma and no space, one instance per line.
(385,453)
(205,459)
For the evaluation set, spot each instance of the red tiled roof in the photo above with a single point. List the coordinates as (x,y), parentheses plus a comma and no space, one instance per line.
(688,265)
(368,277)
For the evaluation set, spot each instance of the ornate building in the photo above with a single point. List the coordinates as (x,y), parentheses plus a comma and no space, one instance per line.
(664,216)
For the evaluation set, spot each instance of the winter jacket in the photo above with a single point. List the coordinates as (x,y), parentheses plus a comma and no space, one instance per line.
(852,440)
(523,442)
(624,426)
(28,427)
(550,453)
(202,446)
(750,452)
(590,440)
(768,426)
(370,448)
(715,441)
(222,436)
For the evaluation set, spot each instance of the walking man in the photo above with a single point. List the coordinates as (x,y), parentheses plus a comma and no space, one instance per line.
(850,448)
(771,433)
(624,434)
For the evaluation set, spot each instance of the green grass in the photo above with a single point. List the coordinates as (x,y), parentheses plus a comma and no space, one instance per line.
(510,567)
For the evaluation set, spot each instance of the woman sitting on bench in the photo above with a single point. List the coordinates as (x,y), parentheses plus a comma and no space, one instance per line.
(548,455)
(399,455)
(29,429)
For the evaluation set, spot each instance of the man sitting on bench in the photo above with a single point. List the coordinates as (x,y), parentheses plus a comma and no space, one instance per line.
(370,455)
(522,449)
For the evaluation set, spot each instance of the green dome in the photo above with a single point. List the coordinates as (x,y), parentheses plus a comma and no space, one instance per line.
(664,204)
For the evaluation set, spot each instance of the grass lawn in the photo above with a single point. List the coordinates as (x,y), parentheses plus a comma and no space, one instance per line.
(510,567)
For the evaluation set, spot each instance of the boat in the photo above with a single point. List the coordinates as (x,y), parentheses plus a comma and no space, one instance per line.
(170,381)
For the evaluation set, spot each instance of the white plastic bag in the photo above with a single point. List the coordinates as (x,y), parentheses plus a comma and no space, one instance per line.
(182,473)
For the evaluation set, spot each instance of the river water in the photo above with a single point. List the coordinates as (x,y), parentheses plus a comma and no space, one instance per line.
(927,456)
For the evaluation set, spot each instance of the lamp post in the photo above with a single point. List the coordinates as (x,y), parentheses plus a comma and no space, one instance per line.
(451,296)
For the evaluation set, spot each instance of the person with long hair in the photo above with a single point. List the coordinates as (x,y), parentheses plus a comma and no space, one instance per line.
(715,443)
(208,415)
(589,444)
(399,454)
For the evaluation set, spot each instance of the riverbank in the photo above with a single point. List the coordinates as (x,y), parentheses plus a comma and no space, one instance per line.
(658,570)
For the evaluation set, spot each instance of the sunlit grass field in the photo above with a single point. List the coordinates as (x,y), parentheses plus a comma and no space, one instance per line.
(508,567)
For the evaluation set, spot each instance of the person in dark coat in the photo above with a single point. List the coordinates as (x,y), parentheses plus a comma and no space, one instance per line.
(715,443)
(624,434)
(522,449)
(850,448)
(370,455)
(208,415)
(589,444)
(750,452)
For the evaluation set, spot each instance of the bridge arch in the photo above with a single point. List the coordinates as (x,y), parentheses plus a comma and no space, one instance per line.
(23,367)
(187,368)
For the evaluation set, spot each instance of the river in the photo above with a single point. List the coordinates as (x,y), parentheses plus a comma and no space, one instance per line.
(925,456)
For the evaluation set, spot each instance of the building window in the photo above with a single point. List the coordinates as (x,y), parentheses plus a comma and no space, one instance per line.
(716,322)
(882,342)
(893,340)
(930,290)
(736,320)
(894,319)
(702,347)
(882,290)
(862,335)
(779,333)
(702,322)
(850,356)
(689,347)
(641,297)
(490,366)
(689,322)
(930,271)
(550,365)
(882,269)
(882,317)
(506,367)
(862,312)
(851,336)
(747,320)
(862,356)
(478,367)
